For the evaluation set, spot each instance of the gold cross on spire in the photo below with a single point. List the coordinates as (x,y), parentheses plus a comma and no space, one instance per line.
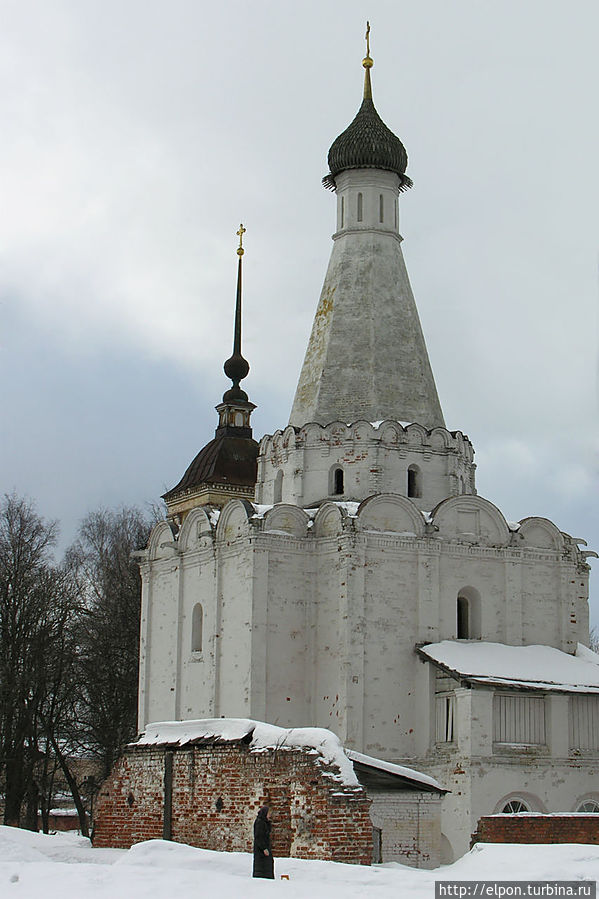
(367,61)
(240,233)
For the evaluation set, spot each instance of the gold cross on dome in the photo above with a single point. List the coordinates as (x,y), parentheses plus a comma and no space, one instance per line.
(367,38)
(240,234)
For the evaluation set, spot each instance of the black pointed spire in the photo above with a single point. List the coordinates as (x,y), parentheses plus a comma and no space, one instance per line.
(226,467)
(236,367)
(235,409)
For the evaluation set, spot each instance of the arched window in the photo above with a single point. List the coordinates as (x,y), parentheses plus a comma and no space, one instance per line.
(342,211)
(589,805)
(360,205)
(197,627)
(414,481)
(381,209)
(468,614)
(338,485)
(463,629)
(278,488)
(514,807)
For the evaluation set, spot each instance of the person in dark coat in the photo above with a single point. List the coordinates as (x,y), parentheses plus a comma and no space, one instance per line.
(264,865)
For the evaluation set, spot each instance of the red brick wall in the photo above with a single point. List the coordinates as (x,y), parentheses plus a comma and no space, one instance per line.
(313,816)
(573,828)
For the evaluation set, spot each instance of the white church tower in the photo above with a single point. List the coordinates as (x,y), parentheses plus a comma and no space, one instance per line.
(366,302)
(345,574)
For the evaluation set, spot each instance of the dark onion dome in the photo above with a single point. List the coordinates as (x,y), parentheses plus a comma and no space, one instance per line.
(367,143)
(225,460)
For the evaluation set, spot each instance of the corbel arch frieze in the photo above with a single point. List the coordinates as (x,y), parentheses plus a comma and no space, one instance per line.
(417,434)
(277,441)
(440,438)
(288,438)
(311,434)
(337,431)
(391,433)
(362,431)
(265,444)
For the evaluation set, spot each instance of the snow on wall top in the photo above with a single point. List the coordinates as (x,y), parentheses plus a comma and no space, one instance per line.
(392,768)
(540,667)
(260,737)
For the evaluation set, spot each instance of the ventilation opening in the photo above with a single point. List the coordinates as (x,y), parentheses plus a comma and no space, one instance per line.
(377,845)
(468,614)
(360,207)
(197,626)
(338,486)
(414,481)
(342,211)
(278,488)
(463,630)
(381,209)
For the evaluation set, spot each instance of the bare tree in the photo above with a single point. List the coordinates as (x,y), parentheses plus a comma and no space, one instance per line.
(110,588)
(31,611)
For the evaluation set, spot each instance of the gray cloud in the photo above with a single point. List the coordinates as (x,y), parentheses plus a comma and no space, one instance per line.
(137,135)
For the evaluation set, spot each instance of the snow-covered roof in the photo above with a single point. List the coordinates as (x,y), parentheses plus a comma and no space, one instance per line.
(258,735)
(261,737)
(416,777)
(536,667)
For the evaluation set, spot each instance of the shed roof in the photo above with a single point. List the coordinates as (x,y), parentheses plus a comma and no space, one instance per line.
(526,667)
(375,773)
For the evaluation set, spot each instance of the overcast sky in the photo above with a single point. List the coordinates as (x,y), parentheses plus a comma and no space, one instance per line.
(136,135)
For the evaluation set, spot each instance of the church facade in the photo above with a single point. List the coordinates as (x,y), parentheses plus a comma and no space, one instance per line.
(338,573)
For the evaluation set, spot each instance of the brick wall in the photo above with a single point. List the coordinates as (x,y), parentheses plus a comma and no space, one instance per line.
(216,793)
(536,828)
(61,822)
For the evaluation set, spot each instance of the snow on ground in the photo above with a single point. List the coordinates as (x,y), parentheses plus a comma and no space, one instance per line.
(34,865)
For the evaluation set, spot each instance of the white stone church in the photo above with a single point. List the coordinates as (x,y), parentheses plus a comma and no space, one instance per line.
(344,573)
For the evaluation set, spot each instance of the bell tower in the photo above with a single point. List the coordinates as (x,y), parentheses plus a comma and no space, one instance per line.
(226,467)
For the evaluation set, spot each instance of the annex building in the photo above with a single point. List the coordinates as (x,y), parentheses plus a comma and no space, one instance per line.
(344,573)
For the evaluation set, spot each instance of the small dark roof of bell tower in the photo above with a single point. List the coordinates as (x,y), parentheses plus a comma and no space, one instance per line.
(367,143)
(231,457)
